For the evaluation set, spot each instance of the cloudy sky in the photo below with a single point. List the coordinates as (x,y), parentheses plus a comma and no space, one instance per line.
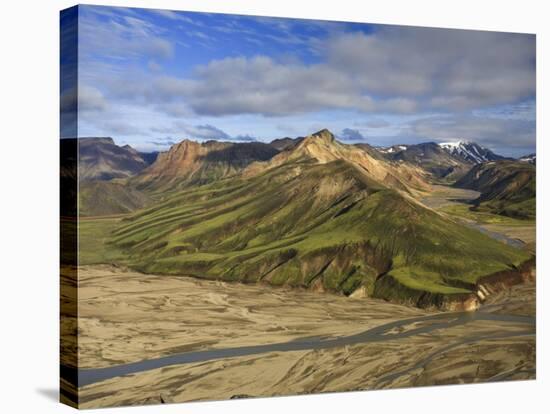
(154,77)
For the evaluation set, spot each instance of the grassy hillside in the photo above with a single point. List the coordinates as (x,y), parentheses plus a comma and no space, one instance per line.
(321,226)
(99,198)
(507,188)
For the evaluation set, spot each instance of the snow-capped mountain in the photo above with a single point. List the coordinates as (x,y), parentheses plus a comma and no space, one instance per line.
(392,149)
(470,151)
(531,158)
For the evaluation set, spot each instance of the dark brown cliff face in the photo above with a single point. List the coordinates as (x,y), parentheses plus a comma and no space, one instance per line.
(389,288)
(496,282)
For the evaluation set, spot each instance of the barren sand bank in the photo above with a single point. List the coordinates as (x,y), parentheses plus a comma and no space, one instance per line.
(127,316)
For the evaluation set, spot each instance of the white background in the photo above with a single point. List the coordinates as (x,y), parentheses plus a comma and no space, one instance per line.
(29,204)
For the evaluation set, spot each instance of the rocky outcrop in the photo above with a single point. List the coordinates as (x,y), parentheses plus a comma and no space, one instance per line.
(389,288)
(499,281)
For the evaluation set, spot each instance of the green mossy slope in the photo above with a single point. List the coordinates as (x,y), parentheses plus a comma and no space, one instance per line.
(320,226)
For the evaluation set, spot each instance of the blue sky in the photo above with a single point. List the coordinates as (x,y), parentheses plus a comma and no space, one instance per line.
(150,78)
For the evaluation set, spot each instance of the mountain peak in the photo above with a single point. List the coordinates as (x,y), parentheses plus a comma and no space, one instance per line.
(324,134)
(469,151)
(457,143)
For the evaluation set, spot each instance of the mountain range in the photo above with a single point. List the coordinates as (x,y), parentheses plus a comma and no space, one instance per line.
(193,163)
(102,159)
(444,160)
(470,151)
(310,212)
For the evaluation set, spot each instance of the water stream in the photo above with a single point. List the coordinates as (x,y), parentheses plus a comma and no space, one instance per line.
(387,332)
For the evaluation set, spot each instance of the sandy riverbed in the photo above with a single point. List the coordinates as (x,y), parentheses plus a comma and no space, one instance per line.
(127,316)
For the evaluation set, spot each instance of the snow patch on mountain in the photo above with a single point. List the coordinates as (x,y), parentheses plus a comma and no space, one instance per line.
(469,151)
(392,149)
(531,158)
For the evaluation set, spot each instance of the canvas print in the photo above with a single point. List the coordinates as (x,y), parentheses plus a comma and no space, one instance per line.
(256,206)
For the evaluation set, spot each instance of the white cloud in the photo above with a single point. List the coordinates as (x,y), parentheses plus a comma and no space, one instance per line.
(441,68)
(154,66)
(186,130)
(375,123)
(482,78)
(491,132)
(121,37)
(90,99)
(395,70)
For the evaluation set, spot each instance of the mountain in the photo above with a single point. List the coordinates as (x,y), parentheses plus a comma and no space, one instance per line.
(430,156)
(470,152)
(530,158)
(392,149)
(322,148)
(507,187)
(448,161)
(193,163)
(102,159)
(322,215)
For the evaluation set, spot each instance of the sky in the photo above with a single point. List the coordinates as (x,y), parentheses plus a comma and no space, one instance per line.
(151,78)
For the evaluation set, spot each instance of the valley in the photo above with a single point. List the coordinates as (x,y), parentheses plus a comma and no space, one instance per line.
(235,270)
(319,215)
(456,203)
(256,206)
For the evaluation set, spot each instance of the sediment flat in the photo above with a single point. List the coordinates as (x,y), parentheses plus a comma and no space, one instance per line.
(126,317)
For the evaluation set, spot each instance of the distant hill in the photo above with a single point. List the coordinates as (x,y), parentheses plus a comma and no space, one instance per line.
(432,157)
(448,161)
(530,158)
(102,159)
(322,215)
(507,187)
(100,163)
